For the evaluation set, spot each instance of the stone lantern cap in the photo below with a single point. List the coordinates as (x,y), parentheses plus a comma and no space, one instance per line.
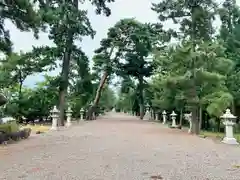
(228,115)
(69,110)
(164,112)
(173,114)
(82,110)
(54,110)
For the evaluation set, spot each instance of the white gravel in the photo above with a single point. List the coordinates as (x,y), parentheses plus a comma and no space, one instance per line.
(119,147)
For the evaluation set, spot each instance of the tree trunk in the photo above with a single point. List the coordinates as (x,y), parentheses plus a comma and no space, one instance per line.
(141,100)
(195,120)
(65,72)
(20,98)
(3,100)
(233,107)
(193,95)
(92,109)
(181,117)
(200,118)
(64,85)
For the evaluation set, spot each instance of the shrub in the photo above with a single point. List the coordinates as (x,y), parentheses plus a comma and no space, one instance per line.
(15,135)
(6,128)
(27,132)
(14,126)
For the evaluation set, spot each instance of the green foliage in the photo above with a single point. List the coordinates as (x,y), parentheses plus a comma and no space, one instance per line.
(108,99)
(24,16)
(9,127)
(211,70)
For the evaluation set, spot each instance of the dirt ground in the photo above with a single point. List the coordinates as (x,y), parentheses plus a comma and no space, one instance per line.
(119,147)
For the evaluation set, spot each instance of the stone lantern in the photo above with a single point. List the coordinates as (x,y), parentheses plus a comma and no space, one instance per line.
(81,114)
(147,115)
(173,117)
(69,116)
(156,116)
(55,116)
(188,117)
(164,114)
(229,121)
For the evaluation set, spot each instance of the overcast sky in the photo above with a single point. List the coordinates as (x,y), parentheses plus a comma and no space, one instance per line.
(140,9)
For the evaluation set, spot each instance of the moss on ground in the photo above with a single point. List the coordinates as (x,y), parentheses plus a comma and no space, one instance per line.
(38,128)
(218,135)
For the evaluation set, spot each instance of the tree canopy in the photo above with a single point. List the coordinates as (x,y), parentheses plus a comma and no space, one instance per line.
(199,73)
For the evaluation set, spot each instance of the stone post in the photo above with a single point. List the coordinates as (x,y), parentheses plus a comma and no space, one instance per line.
(173,117)
(147,115)
(94,116)
(188,117)
(229,121)
(164,114)
(55,116)
(69,117)
(156,116)
(81,114)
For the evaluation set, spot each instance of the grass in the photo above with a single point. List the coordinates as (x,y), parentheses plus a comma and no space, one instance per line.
(218,135)
(35,128)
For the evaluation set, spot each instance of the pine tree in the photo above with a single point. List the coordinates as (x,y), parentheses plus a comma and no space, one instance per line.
(195,20)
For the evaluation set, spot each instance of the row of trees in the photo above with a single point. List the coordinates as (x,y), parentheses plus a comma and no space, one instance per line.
(66,23)
(198,74)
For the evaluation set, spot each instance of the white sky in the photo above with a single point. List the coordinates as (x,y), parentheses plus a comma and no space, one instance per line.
(140,9)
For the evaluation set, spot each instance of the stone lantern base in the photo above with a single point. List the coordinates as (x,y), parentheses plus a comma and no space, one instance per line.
(68,124)
(54,128)
(232,141)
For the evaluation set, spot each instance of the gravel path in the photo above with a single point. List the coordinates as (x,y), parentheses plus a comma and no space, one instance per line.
(119,147)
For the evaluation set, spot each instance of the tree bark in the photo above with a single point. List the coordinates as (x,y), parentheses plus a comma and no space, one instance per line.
(200,118)
(3,100)
(63,86)
(65,72)
(141,100)
(194,95)
(181,117)
(92,109)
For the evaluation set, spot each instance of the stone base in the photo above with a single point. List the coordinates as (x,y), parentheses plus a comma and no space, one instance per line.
(68,124)
(227,140)
(146,118)
(54,128)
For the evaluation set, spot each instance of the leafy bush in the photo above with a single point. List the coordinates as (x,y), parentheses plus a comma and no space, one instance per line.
(26,132)
(5,128)
(14,126)
(11,130)
(9,127)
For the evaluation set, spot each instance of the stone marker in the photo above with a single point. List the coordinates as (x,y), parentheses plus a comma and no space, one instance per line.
(55,116)
(188,117)
(81,114)
(229,121)
(173,117)
(147,115)
(156,116)
(69,117)
(164,114)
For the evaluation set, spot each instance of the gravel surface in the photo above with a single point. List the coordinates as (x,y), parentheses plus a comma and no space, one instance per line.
(119,147)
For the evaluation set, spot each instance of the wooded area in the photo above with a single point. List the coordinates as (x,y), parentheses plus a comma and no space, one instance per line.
(199,73)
